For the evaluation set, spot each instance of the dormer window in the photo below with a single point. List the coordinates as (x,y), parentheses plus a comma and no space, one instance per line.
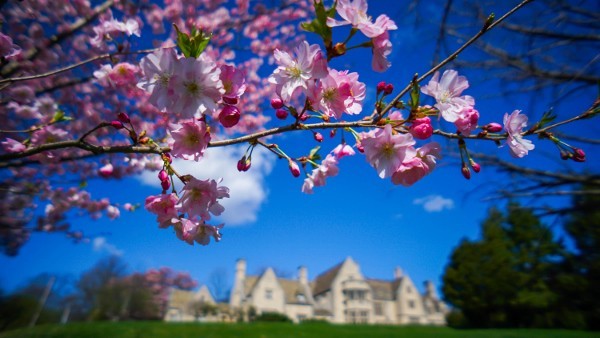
(301,298)
(269,294)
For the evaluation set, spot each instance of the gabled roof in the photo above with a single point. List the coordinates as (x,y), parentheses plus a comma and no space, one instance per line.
(249,284)
(323,281)
(382,289)
(291,290)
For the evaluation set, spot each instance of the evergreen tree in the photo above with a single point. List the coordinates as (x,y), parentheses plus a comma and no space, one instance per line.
(503,279)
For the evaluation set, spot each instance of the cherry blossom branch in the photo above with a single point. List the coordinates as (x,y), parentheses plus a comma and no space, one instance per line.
(488,25)
(74,28)
(78,64)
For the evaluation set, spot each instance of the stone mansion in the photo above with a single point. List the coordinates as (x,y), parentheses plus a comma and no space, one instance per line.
(339,295)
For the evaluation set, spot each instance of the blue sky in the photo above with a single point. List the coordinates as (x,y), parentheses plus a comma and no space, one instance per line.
(269,222)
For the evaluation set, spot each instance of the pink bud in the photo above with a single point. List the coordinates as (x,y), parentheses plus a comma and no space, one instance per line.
(244,164)
(466,172)
(116,124)
(230,99)
(421,128)
(281,114)
(578,155)
(165,184)
(493,127)
(476,167)
(389,88)
(318,137)
(106,170)
(304,117)
(360,148)
(123,117)
(294,169)
(229,116)
(276,103)
(380,87)
(167,156)
(332,132)
(162,175)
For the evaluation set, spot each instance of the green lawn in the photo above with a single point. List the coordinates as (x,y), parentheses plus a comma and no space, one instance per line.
(268,330)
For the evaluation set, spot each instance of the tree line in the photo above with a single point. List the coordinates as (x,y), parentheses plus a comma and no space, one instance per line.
(521,274)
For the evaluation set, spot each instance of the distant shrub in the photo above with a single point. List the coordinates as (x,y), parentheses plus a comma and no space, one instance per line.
(272,317)
(456,319)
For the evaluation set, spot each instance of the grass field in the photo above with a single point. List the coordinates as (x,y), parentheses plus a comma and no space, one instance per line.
(273,330)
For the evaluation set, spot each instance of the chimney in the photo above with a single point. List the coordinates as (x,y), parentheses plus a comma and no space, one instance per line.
(430,290)
(302,275)
(397,273)
(240,269)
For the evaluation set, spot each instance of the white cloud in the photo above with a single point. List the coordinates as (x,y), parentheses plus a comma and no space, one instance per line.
(434,203)
(100,244)
(247,190)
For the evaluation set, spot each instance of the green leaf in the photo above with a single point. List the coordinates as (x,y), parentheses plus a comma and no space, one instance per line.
(193,44)
(313,152)
(414,94)
(319,24)
(59,116)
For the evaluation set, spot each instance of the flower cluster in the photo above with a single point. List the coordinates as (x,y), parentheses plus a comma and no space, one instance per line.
(330,91)
(199,199)
(354,12)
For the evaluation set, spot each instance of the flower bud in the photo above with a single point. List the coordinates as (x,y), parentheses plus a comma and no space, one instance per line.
(339,48)
(106,170)
(421,128)
(493,127)
(281,114)
(276,103)
(162,175)
(229,116)
(117,124)
(294,169)
(165,184)
(466,172)
(123,117)
(360,148)
(564,155)
(167,157)
(144,140)
(244,163)
(578,155)
(389,88)
(230,100)
(332,132)
(476,167)
(380,87)
(318,137)
(304,117)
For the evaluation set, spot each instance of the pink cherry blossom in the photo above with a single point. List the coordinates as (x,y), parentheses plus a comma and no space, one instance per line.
(382,48)
(328,168)
(415,168)
(467,120)
(200,198)
(7,47)
(196,86)
(205,232)
(190,139)
(164,208)
(13,146)
(106,170)
(386,151)
(48,134)
(342,150)
(158,69)
(514,124)
(293,74)
(446,92)
(234,83)
(124,74)
(354,12)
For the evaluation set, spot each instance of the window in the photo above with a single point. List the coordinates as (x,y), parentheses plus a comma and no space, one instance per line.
(378,309)
(300,298)
(408,289)
(301,317)
(269,294)
(411,304)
